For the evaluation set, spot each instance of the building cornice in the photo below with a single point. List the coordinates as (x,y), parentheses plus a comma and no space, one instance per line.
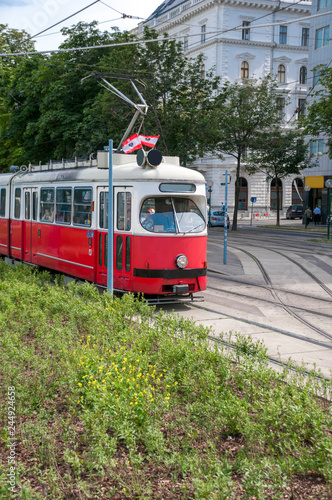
(245,44)
(186,12)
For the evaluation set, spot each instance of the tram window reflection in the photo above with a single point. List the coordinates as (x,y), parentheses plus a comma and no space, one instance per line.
(47,204)
(3,203)
(123,222)
(17,206)
(27,205)
(190,218)
(82,206)
(171,215)
(63,205)
(103,210)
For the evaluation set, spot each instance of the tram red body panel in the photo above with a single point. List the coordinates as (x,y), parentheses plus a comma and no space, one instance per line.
(4,229)
(16,239)
(66,249)
(57,218)
(161,255)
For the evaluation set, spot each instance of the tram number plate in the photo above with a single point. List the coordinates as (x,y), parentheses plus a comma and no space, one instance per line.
(180,288)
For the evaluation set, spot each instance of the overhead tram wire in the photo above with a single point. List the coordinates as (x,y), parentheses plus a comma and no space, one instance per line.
(56,24)
(138,42)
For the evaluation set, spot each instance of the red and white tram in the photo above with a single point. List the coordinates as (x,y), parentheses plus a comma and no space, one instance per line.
(56,216)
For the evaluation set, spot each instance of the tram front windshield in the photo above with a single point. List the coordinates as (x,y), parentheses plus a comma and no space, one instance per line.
(171,215)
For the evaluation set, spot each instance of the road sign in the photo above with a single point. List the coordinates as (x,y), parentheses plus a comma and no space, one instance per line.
(253,199)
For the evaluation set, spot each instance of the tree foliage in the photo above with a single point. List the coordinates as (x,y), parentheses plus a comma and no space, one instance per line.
(47,113)
(278,153)
(241,111)
(319,113)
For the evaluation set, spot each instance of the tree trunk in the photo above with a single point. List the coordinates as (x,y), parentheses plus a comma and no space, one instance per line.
(278,202)
(237,193)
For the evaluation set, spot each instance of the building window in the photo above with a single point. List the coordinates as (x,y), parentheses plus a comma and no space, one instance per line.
(316,147)
(281,78)
(321,4)
(244,70)
(305,37)
(301,107)
(275,188)
(297,192)
(322,37)
(203,33)
(203,71)
(281,103)
(185,43)
(283,35)
(245,31)
(243,195)
(303,75)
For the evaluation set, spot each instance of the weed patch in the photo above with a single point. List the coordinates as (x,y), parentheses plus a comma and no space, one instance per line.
(115,401)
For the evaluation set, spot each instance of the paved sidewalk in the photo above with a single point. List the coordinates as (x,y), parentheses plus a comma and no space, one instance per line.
(258,319)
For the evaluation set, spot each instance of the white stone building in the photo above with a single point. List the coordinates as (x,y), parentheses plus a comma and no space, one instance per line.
(244,39)
(320,52)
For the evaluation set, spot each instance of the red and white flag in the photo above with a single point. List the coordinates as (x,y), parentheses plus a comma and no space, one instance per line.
(131,144)
(149,140)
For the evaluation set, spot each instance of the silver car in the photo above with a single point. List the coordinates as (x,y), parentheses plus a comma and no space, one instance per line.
(217,218)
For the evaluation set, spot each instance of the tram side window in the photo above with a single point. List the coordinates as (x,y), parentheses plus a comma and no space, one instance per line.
(103,210)
(3,202)
(63,205)
(17,206)
(27,205)
(82,206)
(46,205)
(34,205)
(123,219)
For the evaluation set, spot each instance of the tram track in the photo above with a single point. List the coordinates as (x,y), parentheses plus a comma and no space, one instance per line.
(287,308)
(263,326)
(270,302)
(273,361)
(265,287)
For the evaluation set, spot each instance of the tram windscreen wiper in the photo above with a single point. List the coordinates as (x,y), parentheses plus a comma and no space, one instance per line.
(193,228)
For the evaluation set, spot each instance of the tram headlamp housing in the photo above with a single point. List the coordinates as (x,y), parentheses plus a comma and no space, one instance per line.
(181,261)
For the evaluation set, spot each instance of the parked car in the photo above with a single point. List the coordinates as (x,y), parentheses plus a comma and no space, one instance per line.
(217,218)
(295,211)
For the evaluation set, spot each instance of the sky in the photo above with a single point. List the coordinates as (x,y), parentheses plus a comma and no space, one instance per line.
(36,15)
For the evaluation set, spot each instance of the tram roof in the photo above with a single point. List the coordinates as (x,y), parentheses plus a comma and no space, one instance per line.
(124,170)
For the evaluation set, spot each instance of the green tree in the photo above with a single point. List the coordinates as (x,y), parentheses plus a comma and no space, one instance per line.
(319,113)
(11,40)
(179,95)
(278,153)
(241,111)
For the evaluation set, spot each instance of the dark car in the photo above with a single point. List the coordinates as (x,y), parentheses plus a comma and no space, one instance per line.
(295,211)
(218,218)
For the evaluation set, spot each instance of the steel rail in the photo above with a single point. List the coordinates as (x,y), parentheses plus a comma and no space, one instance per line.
(242,295)
(273,360)
(265,327)
(287,308)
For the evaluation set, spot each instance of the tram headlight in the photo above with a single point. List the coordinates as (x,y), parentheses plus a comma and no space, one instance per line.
(181,261)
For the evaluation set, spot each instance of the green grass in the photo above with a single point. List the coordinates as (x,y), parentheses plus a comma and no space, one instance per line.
(115,401)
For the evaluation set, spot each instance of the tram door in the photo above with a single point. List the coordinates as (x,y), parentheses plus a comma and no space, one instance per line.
(30,215)
(123,241)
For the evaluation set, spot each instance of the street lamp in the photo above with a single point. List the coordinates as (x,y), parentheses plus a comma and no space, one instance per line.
(328,184)
(210,184)
(307,189)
